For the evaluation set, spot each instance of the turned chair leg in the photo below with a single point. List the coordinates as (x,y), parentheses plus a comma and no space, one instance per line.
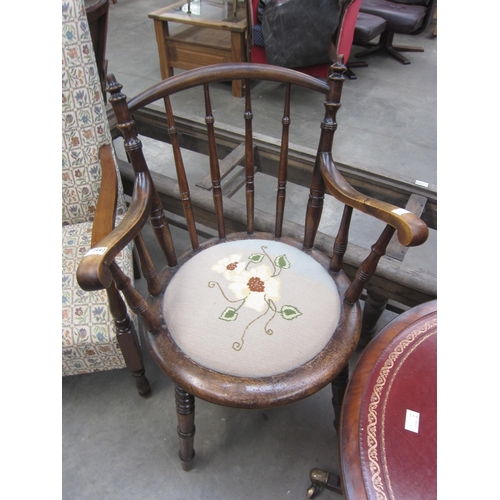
(320,478)
(375,305)
(186,429)
(339,386)
(127,340)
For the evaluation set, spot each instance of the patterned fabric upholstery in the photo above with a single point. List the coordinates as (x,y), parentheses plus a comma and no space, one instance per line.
(88,338)
(84,124)
(256,302)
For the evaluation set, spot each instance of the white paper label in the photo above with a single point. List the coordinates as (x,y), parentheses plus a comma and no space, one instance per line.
(412,419)
(96,251)
(400,211)
(422,183)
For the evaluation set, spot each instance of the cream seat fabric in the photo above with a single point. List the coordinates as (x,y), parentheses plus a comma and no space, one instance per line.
(250,308)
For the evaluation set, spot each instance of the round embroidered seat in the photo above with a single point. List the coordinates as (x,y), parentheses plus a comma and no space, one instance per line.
(251,308)
(253,321)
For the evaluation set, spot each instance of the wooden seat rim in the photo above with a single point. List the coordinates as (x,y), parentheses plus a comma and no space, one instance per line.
(265,392)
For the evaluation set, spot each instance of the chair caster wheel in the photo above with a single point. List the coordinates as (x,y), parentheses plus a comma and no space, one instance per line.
(312,491)
(323,479)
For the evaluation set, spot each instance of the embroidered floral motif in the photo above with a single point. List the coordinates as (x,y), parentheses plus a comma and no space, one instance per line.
(257,288)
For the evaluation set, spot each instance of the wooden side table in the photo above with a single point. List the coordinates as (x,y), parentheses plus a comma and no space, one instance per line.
(201,32)
(388,428)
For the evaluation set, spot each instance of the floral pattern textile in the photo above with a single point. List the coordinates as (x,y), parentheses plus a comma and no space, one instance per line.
(251,307)
(89,341)
(84,122)
(255,287)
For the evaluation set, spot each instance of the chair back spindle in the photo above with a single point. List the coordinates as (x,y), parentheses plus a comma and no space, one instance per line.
(341,240)
(249,160)
(147,266)
(133,147)
(214,164)
(283,165)
(181,175)
(328,127)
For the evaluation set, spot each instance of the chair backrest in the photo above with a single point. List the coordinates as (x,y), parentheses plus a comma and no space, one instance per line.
(93,273)
(84,122)
(429,4)
(345,32)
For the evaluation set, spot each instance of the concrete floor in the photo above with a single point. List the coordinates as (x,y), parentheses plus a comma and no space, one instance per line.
(119,446)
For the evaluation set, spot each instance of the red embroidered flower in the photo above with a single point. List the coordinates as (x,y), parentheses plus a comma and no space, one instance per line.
(256,285)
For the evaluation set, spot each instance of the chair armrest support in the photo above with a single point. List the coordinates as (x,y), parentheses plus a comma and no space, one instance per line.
(94,273)
(411,230)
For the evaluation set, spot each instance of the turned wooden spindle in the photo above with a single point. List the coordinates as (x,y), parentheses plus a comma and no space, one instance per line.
(368,266)
(134,299)
(181,175)
(375,305)
(214,165)
(341,240)
(147,266)
(126,336)
(249,160)
(339,386)
(328,127)
(186,429)
(133,147)
(283,166)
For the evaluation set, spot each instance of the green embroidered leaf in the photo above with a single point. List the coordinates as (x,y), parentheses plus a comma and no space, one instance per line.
(290,312)
(256,257)
(282,262)
(229,314)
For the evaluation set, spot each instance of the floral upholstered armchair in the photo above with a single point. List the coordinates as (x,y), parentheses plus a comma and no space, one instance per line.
(89,339)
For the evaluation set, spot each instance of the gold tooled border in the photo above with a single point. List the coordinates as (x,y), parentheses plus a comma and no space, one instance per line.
(412,341)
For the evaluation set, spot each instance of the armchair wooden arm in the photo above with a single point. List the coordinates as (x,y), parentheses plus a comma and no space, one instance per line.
(94,270)
(411,230)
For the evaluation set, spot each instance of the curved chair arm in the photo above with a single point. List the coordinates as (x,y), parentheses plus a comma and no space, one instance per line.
(93,272)
(411,230)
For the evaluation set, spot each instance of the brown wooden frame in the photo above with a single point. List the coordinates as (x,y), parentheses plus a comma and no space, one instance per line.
(98,271)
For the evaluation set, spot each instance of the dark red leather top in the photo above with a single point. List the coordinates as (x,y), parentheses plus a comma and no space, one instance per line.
(396,430)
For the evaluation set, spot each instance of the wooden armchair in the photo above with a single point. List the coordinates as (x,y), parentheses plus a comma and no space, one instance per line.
(255,317)
(95,337)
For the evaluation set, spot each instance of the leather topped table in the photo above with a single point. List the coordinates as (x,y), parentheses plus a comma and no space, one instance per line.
(388,427)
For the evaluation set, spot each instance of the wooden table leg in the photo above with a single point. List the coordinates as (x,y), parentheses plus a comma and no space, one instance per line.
(238,54)
(161,31)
